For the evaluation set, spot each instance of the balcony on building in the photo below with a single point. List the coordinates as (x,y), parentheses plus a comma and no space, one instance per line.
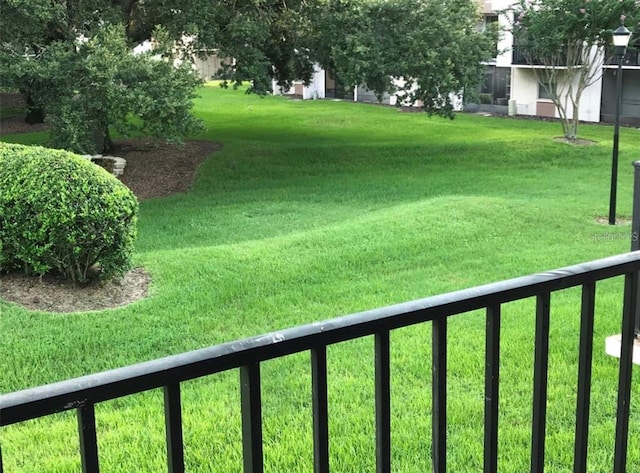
(527,56)
(630,59)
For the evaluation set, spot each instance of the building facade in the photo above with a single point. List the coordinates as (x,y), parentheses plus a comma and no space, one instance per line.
(513,76)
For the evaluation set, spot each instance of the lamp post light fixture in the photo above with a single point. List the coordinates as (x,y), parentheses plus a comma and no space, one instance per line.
(621,38)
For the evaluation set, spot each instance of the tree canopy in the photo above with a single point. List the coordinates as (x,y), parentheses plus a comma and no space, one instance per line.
(74,61)
(73,58)
(423,50)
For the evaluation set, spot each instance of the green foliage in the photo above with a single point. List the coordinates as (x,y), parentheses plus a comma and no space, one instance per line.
(87,86)
(88,79)
(267,40)
(446,57)
(59,211)
(424,50)
(115,85)
(550,25)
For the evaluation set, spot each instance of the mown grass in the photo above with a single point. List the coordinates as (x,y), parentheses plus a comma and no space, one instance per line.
(319,208)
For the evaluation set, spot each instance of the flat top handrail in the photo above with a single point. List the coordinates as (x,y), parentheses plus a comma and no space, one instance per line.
(64,395)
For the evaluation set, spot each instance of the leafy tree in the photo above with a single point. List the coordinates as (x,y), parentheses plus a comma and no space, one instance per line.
(268,40)
(569,39)
(74,61)
(431,48)
(113,88)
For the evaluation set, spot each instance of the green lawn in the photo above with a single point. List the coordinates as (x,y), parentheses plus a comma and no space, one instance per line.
(317,209)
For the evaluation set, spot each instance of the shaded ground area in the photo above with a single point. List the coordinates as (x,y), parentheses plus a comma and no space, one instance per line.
(154,169)
(14,105)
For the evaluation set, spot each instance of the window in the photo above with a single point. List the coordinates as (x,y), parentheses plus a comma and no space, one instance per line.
(545,86)
(490,18)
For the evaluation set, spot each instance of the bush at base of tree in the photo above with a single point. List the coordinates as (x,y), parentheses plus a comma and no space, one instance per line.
(59,211)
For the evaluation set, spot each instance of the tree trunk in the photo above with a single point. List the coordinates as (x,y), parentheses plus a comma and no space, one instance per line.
(102,139)
(573,129)
(569,125)
(575,120)
(35,114)
(108,142)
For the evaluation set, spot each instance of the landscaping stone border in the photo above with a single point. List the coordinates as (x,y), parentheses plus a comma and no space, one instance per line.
(113,164)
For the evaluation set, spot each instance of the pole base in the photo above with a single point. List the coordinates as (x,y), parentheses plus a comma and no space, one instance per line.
(614,343)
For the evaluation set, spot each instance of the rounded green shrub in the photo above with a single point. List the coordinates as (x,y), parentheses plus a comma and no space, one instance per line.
(59,211)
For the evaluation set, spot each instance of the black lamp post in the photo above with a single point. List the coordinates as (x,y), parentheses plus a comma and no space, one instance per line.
(620,41)
(635,230)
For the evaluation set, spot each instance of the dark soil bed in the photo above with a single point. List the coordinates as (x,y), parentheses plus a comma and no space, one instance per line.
(156,169)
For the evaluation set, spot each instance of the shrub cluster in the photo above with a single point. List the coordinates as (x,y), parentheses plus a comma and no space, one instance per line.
(59,211)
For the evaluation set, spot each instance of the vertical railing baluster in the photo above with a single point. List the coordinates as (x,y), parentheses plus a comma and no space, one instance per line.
(491,389)
(585,357)
(625,371)
(540,371)
(173,428)
(251,418)
(439,398)
(88,438)
(320,410)
(1,468)
(383,402)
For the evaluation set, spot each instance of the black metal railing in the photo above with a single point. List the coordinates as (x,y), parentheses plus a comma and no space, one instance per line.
(631,57)
(531,56)
(82,394)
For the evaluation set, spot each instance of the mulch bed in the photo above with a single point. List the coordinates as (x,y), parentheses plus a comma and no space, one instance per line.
(156,169)
(52,293)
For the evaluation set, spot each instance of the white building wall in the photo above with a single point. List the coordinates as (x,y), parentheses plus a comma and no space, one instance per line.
(495,7)
(505,41)
(209,66)
(315,89)
(524,87)
(394,98)
(591,102)
(589,109)
(524,90)
(362,94)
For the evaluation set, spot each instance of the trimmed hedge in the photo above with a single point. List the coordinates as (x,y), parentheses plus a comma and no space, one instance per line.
(59,211)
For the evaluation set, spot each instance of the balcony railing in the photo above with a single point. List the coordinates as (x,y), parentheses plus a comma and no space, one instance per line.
(82,394)
(631,57)
(523,55)
(529,56)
